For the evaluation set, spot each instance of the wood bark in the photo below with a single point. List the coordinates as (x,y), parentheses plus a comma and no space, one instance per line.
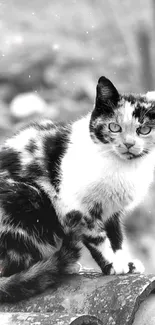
(83,300)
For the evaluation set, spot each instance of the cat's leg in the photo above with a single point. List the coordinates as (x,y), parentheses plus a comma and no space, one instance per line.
(73,224)
(95,243)
(107,248)
(122,262)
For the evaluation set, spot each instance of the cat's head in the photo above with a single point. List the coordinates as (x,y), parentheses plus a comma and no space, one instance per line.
(123,124)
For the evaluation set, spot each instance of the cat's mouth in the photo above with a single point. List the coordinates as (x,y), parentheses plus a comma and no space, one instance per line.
(129,155)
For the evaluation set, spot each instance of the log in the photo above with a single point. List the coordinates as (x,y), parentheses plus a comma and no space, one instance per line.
(83,300)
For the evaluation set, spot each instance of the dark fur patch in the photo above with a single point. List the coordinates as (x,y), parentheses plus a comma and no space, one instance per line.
(131,267)
(21,245)
(68,254)
(97,129)
(114,232)
(142,112)
(10,161)
(34,171)
(139,112)
(99,133)
(96,211)
(107,95)
(55,146)
(107,269)
(10,266)
(31,146)
(31,209)
(94,240)
(47,273)
(22,248)
(96,254)
(89,222)
(134,98)
(15,263)
(73,219)
(43,126)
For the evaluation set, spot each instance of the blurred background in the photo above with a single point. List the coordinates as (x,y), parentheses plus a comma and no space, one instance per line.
(51,54)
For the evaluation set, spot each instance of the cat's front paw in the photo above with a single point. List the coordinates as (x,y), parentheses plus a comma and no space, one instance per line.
(136,266)
(125,267)
(122,264)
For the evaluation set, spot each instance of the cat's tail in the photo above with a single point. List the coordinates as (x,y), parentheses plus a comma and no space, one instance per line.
(38,277)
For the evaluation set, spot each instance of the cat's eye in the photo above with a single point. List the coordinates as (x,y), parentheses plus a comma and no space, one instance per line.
(144,130)
(114,127)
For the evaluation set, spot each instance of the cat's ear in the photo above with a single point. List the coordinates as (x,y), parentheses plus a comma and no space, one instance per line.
(106,94)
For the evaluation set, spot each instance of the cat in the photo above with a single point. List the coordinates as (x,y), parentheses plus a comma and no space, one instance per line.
(64,186)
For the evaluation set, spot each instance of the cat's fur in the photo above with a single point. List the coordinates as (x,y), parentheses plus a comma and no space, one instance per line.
(61,186)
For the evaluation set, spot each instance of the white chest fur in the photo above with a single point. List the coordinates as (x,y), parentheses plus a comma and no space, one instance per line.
(91,174)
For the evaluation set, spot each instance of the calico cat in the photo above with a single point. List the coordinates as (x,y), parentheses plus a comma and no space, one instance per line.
(64,186)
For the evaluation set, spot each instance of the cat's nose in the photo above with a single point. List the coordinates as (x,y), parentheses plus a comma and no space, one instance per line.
(129,144)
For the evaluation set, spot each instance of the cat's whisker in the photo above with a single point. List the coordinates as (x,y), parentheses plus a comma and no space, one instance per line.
(107,151)
(146,112)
